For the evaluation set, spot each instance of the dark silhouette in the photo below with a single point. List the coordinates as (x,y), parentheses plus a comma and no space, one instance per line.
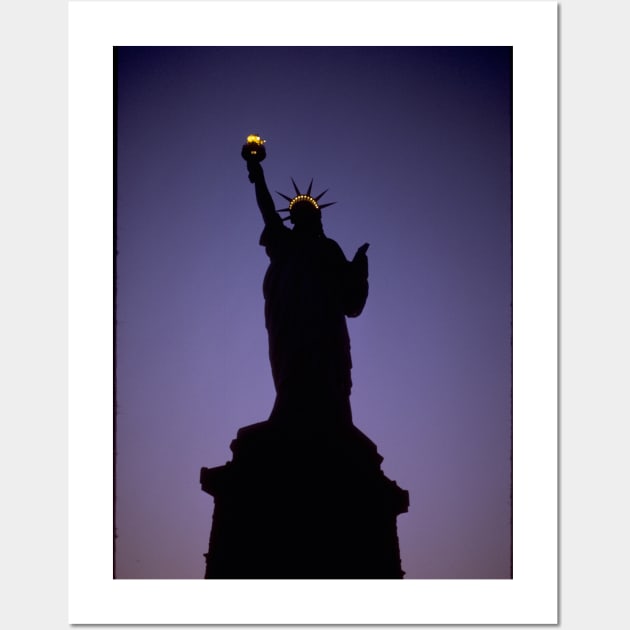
(304,496)
(309,290)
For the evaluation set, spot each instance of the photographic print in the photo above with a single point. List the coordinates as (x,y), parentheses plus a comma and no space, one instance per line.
(414,146)
(317,278)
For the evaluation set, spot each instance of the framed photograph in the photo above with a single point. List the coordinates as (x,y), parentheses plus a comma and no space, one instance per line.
(431,129)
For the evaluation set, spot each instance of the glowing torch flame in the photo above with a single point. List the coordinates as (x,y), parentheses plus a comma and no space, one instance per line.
(253,139)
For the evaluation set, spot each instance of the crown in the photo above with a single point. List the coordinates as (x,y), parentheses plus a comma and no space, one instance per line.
(304,198)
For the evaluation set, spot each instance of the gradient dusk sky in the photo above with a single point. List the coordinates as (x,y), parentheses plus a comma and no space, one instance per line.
(415,146)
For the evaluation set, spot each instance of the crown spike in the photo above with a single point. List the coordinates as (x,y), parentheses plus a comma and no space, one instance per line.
(325,205)
(282,195)
(308,192)
(321,194)
(297,190)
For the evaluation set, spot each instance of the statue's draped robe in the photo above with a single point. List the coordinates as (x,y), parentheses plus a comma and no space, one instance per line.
(309,288)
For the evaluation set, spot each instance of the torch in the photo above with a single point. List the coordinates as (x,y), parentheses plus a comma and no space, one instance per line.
(254,149)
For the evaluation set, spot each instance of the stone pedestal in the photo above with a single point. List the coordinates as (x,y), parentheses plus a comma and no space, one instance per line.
(303,502)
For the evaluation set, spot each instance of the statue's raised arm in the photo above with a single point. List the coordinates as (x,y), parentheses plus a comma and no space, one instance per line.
(253,152)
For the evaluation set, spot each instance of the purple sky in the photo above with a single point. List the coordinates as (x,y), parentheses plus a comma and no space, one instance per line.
(415,146)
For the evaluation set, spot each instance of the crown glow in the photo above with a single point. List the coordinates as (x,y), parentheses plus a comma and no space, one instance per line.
(300,198)
(304,197)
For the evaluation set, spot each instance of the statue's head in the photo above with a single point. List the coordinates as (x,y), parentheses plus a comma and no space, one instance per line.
(304,210)
(305,216)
